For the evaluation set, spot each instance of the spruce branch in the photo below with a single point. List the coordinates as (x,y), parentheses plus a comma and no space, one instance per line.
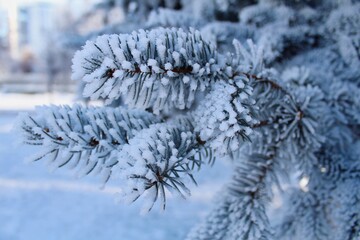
(82,137)
(331,193)
(150,158)
(308,215)
(161,68)
(166,17)
(250,190)
(247,195)
(258,79)
(158,159)
(240,213)
(224,117)
(292,120)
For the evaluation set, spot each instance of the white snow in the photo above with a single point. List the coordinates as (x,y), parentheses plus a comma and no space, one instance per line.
(127,65)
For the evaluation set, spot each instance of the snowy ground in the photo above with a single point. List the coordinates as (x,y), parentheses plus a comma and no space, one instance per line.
(38,205)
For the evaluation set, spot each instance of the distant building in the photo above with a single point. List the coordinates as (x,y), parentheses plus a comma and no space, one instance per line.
(24,25)
(35,24)
(4,29)
(28,28)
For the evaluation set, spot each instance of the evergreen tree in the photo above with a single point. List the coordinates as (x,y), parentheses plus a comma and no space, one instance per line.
(284,106)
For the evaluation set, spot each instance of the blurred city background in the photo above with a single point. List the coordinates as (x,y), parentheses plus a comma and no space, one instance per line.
(39,37)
